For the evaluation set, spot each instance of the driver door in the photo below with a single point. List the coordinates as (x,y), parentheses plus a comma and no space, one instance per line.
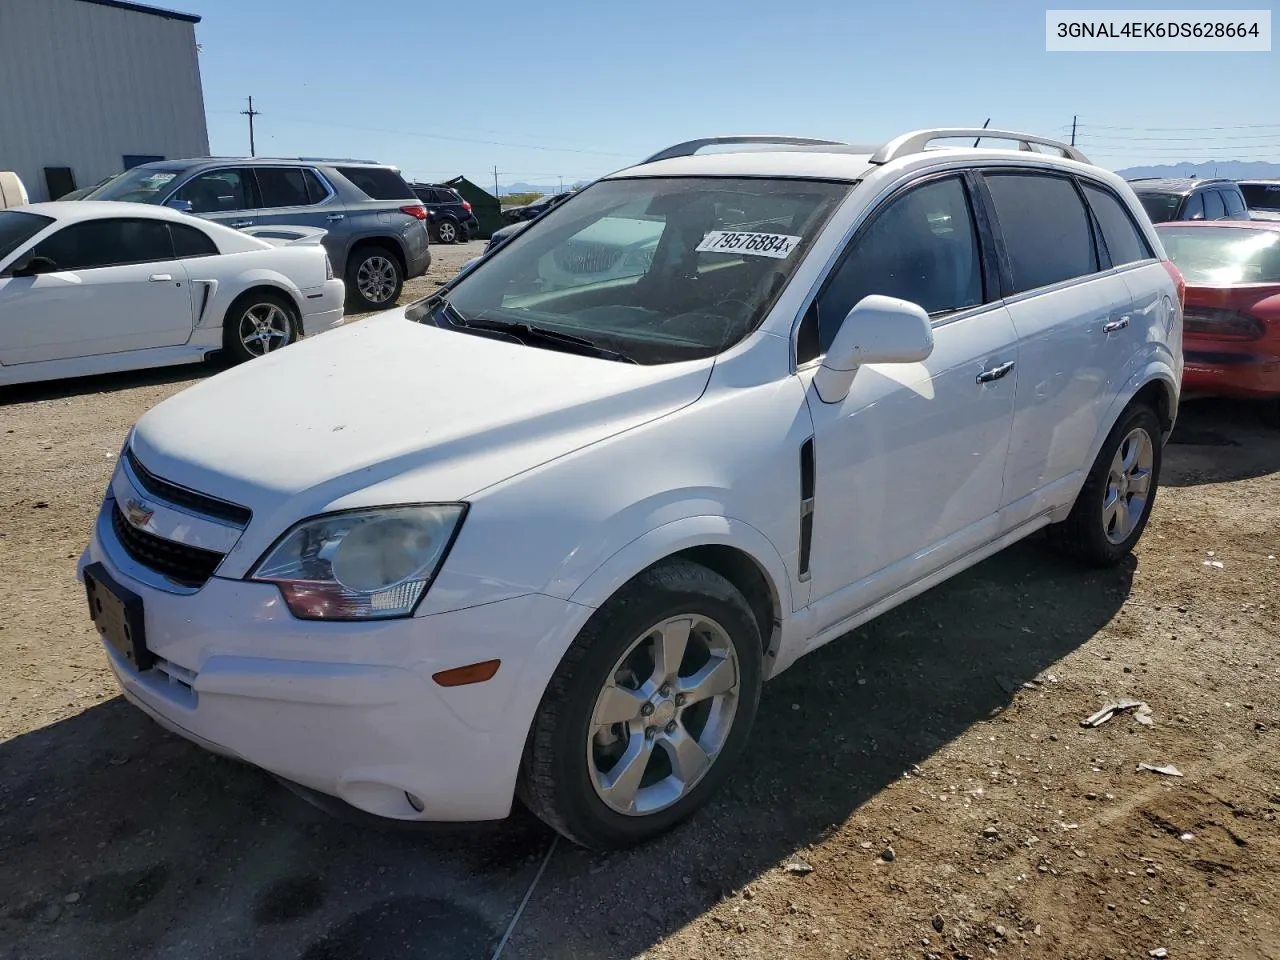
(117,287)
(910,465)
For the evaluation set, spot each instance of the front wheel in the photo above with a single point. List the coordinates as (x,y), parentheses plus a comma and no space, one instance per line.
(1115,502)
(648,711)
(374,278)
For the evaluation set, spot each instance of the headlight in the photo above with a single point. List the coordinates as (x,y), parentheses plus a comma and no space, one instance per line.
(361,565)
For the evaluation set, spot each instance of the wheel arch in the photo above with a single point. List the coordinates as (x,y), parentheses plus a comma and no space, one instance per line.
(270,285)
(387,242)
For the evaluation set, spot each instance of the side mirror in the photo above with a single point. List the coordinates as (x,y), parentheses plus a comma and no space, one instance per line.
(33,267)
(877,330)
(182,206)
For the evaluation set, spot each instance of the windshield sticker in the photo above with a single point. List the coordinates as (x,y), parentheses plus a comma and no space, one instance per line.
(776,245)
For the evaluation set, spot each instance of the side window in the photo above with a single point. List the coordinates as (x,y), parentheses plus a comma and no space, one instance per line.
(1125,243)
(282,187)
(189,242)
(107,243)
(1235,205)
(219,191)
(922,246)
(1194,208)
(1213,206)
(316,188)
(1045,228)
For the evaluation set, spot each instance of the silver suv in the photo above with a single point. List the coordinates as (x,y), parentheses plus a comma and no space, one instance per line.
(377,226)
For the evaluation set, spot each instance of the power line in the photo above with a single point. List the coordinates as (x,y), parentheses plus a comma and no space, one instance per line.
(1239,126)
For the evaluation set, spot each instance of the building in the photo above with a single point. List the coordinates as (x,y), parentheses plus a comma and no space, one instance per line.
(92,87)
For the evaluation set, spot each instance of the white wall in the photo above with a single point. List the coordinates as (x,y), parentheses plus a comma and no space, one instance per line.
(82,85)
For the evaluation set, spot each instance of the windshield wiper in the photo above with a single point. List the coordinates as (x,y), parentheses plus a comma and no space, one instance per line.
(527,331)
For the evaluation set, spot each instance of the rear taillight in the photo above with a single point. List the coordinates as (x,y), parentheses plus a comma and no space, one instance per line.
(328,267)
(466,205)
(1222,324)
(1178,281)
(415,210)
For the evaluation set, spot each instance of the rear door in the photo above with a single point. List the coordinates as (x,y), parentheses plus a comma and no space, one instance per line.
(1067,311)
(118,287)
(1214,208)
(297,196)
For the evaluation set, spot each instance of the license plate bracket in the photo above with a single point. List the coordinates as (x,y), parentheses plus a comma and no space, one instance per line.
(117,614)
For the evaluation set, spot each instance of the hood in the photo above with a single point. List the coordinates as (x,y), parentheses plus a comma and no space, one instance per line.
(391,411)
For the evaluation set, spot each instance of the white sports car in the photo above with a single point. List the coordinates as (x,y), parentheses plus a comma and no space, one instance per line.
(91,287)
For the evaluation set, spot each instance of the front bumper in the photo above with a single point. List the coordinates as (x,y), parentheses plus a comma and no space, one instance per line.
(322,307)
(347,709)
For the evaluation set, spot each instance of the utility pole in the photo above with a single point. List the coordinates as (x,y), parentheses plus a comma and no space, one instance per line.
(495,180)
(251,113)
(562,184)
(1073,130)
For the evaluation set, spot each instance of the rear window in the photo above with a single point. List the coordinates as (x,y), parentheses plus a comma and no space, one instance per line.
(1261,196)
(17,228)
(1160,207)
(379,183)
(1224,255)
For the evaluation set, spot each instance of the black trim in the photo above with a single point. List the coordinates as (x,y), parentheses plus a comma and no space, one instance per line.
(182,497)
(808,469)
(143,8)
(185,565)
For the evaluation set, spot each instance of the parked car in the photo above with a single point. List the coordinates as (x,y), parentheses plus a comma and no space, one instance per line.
(1174,199)
(13,192)
(100,287)
(82,192)
(500,236)
(548,539)
(1232,323)
(538,207)
(448,214)
(376,225)
(1262,197)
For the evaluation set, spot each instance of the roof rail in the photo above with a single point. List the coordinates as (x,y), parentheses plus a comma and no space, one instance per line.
(690,147)
(917,140)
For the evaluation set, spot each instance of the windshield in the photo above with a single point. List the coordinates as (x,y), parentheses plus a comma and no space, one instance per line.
(17,228)
(659,269)
(139,185)
(1261,196)
(1161,207)
(1224,255)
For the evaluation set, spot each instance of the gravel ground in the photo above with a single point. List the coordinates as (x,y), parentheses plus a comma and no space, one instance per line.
(921,788)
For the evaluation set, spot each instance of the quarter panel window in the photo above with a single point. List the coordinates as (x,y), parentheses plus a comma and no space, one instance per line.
(107,243)
(922,247)
(189,242)
(1125,243)
(1045,228)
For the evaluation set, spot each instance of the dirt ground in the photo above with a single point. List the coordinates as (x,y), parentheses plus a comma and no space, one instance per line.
(921,788)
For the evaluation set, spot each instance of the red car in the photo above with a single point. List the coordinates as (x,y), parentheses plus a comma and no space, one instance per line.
(1231,331)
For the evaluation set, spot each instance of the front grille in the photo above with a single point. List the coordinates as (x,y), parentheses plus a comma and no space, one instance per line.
(583,257)
(182,497)
(185,565)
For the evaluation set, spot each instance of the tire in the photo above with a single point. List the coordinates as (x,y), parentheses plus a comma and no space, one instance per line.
(447,232)
(259,322)
(569,761)
(374,278)
(1091,532)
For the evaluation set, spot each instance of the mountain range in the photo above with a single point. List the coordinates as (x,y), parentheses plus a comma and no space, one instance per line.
(1231,169)
(522,187)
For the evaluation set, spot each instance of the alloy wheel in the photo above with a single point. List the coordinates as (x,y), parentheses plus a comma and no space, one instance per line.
(376,279)
(447,232)
(1128,485)
(263,327)
(664,715)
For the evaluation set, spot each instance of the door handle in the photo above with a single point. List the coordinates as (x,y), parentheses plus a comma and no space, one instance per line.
(237,224)
(160,277)
(335,216)
(1115,325)
(995,373)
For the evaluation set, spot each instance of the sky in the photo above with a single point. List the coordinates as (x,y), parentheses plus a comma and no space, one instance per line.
(570,89)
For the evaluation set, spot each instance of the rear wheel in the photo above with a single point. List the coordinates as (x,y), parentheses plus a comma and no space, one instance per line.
(447,231)
(374,278)
(648,711)
(258,323)
(1115,502)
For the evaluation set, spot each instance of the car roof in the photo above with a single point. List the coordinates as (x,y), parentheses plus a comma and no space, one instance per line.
(76,210)
(192,162)
(1261,182)
(1181,185)
(1273,225)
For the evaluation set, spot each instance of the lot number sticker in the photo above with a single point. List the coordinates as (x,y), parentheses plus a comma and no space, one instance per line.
(776,245)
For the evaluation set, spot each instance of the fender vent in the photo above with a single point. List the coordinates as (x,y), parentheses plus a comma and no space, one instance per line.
(806,505)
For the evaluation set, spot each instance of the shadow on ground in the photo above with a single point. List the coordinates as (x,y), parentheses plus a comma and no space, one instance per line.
(1219,441)
(107,382)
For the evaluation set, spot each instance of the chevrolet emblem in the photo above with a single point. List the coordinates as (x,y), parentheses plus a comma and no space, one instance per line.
(138,514)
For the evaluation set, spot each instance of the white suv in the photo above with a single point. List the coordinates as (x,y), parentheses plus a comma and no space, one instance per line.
(541,537)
